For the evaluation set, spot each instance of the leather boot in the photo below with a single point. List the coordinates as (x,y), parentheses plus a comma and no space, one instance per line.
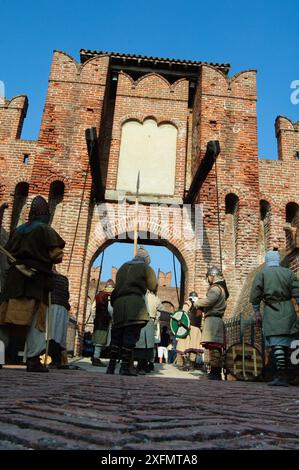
(187,364)
(140,369)
(181,365)
(34,365)
(280,374)
(279,380)
(55,353)
(114,356)
(96,361)
(215,373)
(126,367)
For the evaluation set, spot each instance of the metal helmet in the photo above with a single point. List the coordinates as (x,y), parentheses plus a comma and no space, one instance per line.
(193,294)
(214,271)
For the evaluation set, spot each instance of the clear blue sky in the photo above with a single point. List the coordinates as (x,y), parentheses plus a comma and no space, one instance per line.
(118,253)
(262,35)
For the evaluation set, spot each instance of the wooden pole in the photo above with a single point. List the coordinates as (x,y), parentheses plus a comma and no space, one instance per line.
(136,227)
(48,329)
(100,273)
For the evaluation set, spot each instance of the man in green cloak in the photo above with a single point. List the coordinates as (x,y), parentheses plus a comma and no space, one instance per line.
(276,286)
(130,313)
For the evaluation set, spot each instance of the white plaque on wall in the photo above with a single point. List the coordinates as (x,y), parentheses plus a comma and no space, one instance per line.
(150,149)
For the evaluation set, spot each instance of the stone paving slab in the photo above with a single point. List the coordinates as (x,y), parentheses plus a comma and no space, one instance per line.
(160,370)
(94,411)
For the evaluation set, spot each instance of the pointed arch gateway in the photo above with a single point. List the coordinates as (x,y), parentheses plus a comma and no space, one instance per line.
(151,240)
(96,246)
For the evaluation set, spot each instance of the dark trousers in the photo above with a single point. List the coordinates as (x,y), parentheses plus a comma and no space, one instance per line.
(126,336)
(16,335)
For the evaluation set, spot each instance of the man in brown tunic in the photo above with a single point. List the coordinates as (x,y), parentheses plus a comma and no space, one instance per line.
(35,245)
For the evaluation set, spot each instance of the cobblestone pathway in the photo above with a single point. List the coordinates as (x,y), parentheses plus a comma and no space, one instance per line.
(85,410)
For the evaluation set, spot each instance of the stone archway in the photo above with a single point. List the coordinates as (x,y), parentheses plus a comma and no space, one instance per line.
(145,243)
(105,229)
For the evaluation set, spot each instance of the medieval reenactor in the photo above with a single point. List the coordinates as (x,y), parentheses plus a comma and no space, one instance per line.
(58,324)
(181,341)
(145,351)
(102,322)
(87,346)
(213,334)
(190,346)
(59,319)
(275,286)
(37,246)
(130,314)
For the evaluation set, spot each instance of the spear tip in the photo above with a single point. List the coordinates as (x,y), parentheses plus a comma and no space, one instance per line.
(138,182)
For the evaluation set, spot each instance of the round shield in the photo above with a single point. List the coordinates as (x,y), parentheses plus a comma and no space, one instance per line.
(180,324)
(244,362)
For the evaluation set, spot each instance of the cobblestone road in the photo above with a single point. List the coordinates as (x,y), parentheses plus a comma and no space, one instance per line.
(87,410)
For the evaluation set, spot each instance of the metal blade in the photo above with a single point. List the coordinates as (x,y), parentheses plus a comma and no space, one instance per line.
(138,184)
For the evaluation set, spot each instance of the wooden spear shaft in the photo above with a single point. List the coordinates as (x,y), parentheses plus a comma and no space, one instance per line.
(136,224)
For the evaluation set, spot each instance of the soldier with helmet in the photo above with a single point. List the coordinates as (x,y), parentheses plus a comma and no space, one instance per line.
(214,305)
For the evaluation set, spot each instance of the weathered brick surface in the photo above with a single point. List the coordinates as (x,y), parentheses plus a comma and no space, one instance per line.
(86,410)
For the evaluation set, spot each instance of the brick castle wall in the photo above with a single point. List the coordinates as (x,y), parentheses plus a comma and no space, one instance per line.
(81,95)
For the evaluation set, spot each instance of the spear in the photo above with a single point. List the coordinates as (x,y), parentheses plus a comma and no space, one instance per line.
(136,214)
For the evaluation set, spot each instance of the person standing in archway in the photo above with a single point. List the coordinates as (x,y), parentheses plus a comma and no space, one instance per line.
(130,314)
(193,346)
(213,333)
(102,322)
(144,351)
(190,346)
(181,345)
(163,345)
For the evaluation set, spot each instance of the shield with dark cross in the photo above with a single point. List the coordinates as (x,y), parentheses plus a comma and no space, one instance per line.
(180,324)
